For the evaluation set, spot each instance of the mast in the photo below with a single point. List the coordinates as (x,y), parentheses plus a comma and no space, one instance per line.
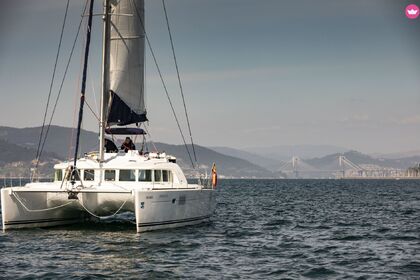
(83,89)
(105,78)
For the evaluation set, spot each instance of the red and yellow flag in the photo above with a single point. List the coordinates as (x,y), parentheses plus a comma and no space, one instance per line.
(214,176)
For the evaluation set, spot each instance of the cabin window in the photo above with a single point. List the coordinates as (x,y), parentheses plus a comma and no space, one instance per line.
(109,175)
(166,176)
(158,175)
(88,174)
(127,175)
(58,175)
(145,175)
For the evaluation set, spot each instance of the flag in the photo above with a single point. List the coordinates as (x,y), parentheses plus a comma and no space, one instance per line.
(214,176)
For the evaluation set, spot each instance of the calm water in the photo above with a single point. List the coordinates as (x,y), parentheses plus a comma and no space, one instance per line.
(262,229)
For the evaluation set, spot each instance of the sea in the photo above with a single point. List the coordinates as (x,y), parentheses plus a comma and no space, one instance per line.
(262,229)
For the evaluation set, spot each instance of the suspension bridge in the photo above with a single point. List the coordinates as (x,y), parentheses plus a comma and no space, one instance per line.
(339,167)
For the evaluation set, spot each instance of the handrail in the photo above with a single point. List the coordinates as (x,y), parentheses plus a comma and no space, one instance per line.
(15,181)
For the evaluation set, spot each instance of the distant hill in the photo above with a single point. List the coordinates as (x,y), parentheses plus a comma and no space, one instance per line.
(267,163)
(58,141)
(286,152)
(359,158)
(399,155)
(18,148)
(227,165)
(25,141)
(11,153)
(17,160)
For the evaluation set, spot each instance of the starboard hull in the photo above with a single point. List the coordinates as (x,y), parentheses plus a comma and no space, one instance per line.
(162,209)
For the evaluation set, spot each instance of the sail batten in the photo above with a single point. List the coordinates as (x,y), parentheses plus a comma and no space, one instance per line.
(126,67)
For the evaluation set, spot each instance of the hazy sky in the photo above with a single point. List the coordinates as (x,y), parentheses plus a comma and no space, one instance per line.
(255,73)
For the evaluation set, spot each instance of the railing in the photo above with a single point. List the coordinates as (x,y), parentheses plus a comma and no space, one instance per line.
(19,181)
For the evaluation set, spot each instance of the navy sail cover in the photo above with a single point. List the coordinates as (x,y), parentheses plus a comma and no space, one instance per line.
(121,114)
(125,131)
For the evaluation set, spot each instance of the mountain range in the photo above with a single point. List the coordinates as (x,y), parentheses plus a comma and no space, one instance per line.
(59,140)
(18,149)
(263,161)
(228,166)
(17,160)
(361,159)
(286,152)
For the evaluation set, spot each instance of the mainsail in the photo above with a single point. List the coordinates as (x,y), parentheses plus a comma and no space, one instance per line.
(126,63)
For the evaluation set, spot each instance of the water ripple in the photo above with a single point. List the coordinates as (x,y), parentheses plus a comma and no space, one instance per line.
(263,229)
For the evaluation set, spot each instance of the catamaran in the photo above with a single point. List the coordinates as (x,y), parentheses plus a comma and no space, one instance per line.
(102,184)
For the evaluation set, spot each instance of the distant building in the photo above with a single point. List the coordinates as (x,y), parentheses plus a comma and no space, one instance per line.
(413,171)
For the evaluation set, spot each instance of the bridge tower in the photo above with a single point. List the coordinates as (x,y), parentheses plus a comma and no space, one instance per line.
(343,162)
(295,161)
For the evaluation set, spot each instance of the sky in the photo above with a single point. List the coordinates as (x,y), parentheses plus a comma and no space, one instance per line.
(255,73)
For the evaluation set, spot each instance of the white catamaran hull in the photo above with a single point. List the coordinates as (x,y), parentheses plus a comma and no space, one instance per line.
(154,209)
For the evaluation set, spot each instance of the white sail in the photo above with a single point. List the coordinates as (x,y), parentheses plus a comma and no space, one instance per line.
(126,68)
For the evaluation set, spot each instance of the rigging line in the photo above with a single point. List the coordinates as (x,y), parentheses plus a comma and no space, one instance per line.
(150,136)
(62,81)
(38,210)
(163,84)
(91,110)
(93,91)
(179,81)
(51,84)
(103,217)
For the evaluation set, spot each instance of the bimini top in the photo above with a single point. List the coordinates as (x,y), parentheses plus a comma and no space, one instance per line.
(125,131)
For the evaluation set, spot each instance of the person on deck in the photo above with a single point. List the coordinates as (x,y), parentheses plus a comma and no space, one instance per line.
(128,145)
(110,146)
